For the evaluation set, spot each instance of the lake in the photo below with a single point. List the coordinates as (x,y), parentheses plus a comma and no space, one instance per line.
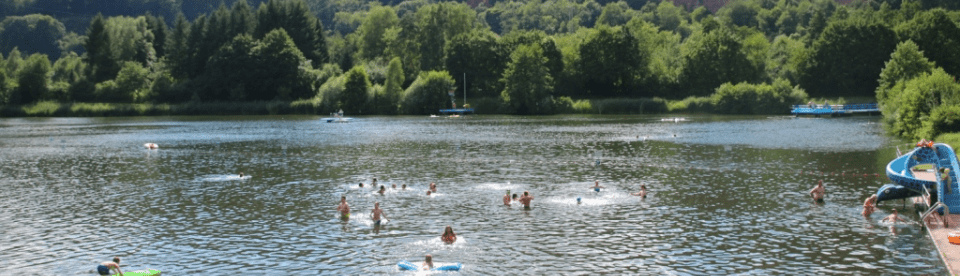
(728,195)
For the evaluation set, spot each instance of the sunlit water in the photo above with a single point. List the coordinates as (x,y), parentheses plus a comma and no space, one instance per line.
(727,196)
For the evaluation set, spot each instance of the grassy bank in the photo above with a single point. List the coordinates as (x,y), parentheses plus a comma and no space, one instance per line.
(54,109)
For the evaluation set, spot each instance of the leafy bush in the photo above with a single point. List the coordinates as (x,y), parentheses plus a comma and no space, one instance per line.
(745,98)
(427,94)
(943,119)
(691,105)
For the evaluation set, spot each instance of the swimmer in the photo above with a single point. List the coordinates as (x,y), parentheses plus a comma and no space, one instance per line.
(427,262)
(448,235)
(525,199)
(596,186)
(361,184)
(404,186)
(643,191)
(382,189)
(433,187)
(869,206)
(393,186)
(893,217)
(105,267)
(374,183)
(376,213)
(344,208)
(515,197)
(818,192)
(241,174)
(428,192)
(506,198)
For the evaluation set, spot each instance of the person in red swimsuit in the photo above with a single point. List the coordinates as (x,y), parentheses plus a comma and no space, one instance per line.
(448,235)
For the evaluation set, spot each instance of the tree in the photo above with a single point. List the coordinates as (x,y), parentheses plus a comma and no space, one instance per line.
(99,54)
(284,68)
(377,22)
(783,57)
(712,60)
(479,55)
(158,29)
(355,89)
(233,73)
(427,94)
(614,14)
(33,80)
(611,61)
(301,25)
(918,97)
(937,36)
(847,58)
(527,81)
(906,62)
(36,33)
(178,55)
(393,88)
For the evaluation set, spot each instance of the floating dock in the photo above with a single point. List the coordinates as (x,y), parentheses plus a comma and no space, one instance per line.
(460,111)
(834,110)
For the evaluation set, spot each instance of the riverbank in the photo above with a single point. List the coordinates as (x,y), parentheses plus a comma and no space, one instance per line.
(565,105)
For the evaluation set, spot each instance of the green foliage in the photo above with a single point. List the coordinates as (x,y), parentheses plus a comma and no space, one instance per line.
(393,88)
(481,56)
(615,14)
(69,68)
(943,119)
(36,33)
(918,97)
(527,81)
(354,96)
(5,90)
(177,53)
(330,93)
(133,80)
(33,80)
(629,106)
(246,69)
(847,58)
(612,62)
(299,22)
(937,36)
(906,62)
(785,53)
(691,105)
(427,94)
(377,22)
(99,54)
(715,58)
(745,98)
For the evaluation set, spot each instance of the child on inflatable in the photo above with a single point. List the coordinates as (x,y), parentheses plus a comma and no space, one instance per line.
(427,263)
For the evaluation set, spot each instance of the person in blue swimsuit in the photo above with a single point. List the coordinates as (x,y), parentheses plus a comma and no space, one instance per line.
(596,186)
(105,267)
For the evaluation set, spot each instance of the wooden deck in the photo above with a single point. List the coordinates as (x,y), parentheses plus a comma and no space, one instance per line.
(949,253)
(928,175)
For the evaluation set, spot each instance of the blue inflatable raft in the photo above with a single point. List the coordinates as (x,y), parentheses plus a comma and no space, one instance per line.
(405,265)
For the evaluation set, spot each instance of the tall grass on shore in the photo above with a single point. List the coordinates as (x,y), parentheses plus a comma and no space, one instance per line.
(54,109)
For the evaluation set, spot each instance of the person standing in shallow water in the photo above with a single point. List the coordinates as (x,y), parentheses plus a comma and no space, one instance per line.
(506,198)
(376,213)
(344,208)
(525,199)
(105,267)
(869,206)
(818,192)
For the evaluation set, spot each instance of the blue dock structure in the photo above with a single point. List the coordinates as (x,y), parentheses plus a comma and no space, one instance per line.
(918,173)
(459,111)
(834,110)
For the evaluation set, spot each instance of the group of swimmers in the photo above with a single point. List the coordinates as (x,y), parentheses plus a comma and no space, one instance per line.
(869,205)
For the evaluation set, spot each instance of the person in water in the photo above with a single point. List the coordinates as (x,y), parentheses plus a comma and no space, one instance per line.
(427,262)
(404,186)
(869,205)
(818,192)
(643,191)
(893,217)
(433,187)
(945,178)
(374,183)
(376,213)
(506,198)
(241,175)
(448,235)
(525,199)
(344,208)
(361,184)
(393,186)
(596,186)
(105,267)
(382,189)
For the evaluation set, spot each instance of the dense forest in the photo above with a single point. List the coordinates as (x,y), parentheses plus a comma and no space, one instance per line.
(511,56)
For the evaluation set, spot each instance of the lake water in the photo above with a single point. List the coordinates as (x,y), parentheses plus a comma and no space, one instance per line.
(727,195)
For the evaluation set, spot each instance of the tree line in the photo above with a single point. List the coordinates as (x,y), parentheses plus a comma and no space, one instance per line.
(511,56)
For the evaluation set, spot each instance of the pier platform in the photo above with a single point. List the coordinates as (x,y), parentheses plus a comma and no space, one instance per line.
(939,233)
(834,110)
(460,111)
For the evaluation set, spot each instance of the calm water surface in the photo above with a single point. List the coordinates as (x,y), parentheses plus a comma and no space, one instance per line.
(727,195)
